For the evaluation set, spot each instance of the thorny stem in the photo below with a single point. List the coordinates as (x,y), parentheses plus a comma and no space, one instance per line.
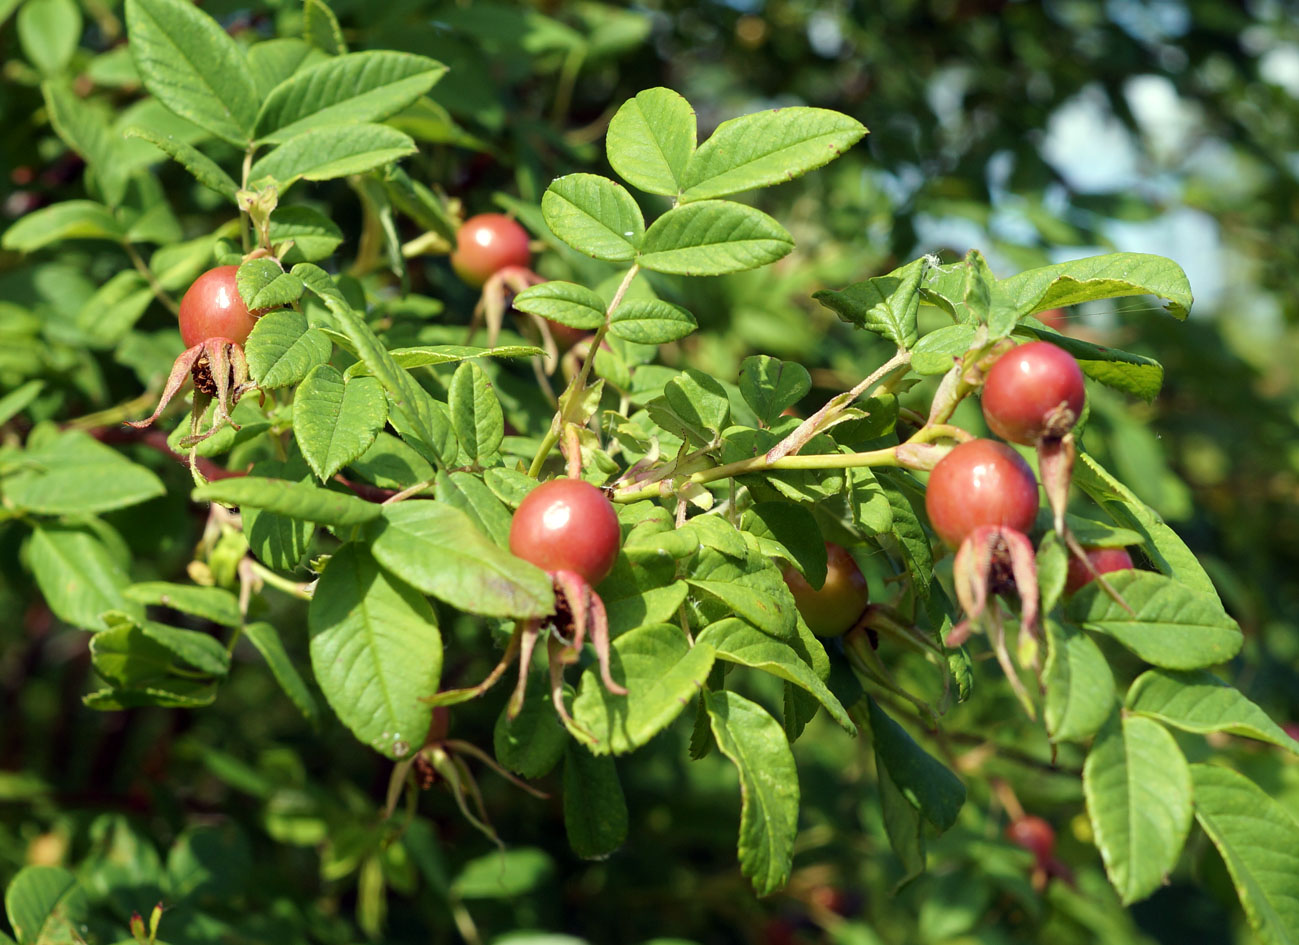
(881,457)
(142,267)
(809,427)
(579,382)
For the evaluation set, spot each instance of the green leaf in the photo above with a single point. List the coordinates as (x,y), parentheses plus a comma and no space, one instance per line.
(296,500)
(1112,276)
(712,238)
(84,125)
(391,464)
(204,653)
(128,659)
(77,575)
(282,350)
(1079,684)
(211,603)
(903,824)
(905,499)
(769,385)
(1138,788)
(935,352)
(475,413)
(563,302)
(267,641)
(1169,624)
(330,151)
(19,399)
(46,906)
(193,66)
(1162,544)
(507,874)
(595,811)
(163,694)
(1259,841)
(320,27)
(765,148)
(650,322)
(751,589)
(263,284)
(335,423)
(54,476)
(425,355)
(595,216)
(68,220)
(737,642)
(662,674)
(650,141)
(205,170)
(1052,568)
(470,494)
(278,541)
(700,400)
(314,235)
(922,779)
(886,305)
(793,530)
(437,548)
(274,60)
(375,651)
(358,87)
(654,605)
(756,745)
(1200,702)
(208,863)
(417,414)
(532,743)
(49,31)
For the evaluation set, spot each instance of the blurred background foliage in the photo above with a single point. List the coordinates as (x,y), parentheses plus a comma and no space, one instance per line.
(1035,132)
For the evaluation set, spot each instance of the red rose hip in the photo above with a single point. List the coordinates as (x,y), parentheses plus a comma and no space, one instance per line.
(981,482)
(834,608)
(1033,834)
(213,308)
(1104,560)
(567,525)
(1025,390)
(487,243)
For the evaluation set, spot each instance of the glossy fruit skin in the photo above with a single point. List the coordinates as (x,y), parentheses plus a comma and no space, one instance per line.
(981,482)
(487,243)
(567,525)
(213,308)
(1033,834)
(834,609)
(1025,385)
(1104,560)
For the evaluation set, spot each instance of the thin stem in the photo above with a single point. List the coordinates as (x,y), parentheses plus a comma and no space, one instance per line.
(142,267)
(245,218)
(809,427)
(579,382)
(293,588)
(603,330)
(882,457)
(409,491)
(938,431)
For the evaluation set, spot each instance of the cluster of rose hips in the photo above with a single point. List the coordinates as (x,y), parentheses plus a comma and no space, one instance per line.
(981,497)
